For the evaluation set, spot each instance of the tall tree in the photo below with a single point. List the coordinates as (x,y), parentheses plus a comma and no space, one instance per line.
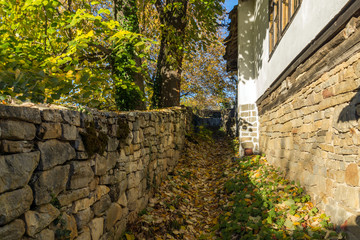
(172,15)
(185,26)
(125,12)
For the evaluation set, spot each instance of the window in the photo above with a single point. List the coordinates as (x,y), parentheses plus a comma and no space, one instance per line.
(281,12)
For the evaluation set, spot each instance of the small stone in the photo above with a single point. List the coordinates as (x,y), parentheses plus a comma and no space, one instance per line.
(120,228)
(117,177)
(133,180)
(100,165)
(96,228)
(50,183)
(49,130)
(122,200)
(45,234)
(54,152)
(68,223)
(81,156)
(71,196)
(71,117)
(137,137)
(51,115)
(102,205)
(113,144)
(14,204)
(100,191)
(82,204)
(94,183)
(16,130)
(247,145)
(81,174)
(352,175)
(132,197)
(327,93)
(40,219)
(16,169)
(69,132)
(7,146)
(85,235)
(83,217)
(14,230)
(103,164)
(113,214)
(20,113)
(78,144)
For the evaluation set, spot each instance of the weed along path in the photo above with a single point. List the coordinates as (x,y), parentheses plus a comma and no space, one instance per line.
(212,195)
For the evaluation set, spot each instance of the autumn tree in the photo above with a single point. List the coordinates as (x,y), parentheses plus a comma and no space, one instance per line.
(125,12)
(183,24)
(62,51)
(89,52)
(205,83)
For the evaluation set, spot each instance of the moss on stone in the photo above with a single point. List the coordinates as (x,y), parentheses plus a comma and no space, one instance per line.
(123,129)
(94,141)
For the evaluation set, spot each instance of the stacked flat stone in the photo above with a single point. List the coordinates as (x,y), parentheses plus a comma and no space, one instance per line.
(248,128)
(50,186)
(309,127)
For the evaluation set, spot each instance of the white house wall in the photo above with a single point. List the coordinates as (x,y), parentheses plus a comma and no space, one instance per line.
(311,18)
(247,110)
(256,70)
(246,73)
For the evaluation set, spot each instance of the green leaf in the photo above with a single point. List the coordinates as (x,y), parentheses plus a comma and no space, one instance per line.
(289,225)
(289,202)
(104,11)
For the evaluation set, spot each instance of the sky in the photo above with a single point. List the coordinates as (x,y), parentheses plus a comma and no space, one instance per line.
(229,4)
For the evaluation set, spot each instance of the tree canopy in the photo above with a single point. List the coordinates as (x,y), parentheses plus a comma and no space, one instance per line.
(72,51)
(55,50)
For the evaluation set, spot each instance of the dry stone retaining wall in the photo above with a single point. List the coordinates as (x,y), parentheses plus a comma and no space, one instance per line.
(66,174)
(310,126)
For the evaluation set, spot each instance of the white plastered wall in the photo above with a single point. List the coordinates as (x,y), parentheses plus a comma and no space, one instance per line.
(256,70)
(311,18)
(247,111)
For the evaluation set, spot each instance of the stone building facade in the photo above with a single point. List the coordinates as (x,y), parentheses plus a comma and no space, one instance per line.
(309,126)
(298,68)
(71,175)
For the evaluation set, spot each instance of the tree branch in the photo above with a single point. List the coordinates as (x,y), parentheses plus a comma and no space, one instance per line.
(184,94)
(105,50)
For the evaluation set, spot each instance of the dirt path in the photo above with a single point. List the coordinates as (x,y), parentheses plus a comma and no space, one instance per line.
(247,198)
(188,204)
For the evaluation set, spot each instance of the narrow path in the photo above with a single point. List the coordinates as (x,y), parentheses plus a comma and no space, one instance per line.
(210,193)
(188,204)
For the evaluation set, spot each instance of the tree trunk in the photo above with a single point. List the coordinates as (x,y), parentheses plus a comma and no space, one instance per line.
(169,65)
(125,12)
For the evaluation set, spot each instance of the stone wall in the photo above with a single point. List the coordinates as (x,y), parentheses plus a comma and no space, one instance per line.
(66,174)
(248,128)
(309,126)
(228,122)
(206,117)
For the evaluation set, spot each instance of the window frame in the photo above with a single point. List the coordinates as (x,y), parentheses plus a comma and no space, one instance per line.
(278,22)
